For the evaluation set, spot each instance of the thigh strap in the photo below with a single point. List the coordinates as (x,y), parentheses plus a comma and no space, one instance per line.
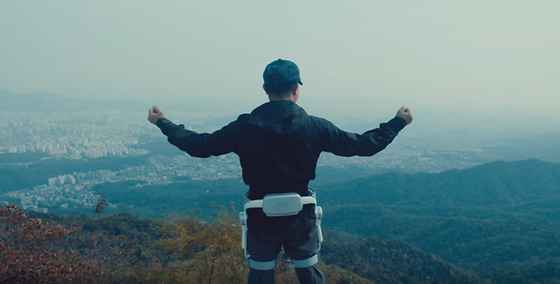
(307,262)
(262,265)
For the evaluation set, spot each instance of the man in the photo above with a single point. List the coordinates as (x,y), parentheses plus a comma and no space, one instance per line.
(278,145)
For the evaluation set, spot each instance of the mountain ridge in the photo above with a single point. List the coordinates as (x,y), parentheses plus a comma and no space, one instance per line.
(464,188)
(48,102)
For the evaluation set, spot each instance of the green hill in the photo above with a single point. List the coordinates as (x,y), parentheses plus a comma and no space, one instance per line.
(390,261)
(499,220)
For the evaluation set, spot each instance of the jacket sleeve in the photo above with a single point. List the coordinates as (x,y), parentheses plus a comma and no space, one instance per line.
(348,144)
(201,145)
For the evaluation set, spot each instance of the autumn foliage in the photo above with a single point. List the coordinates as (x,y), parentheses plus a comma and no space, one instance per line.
(212,253)
(34,251)
(181,249)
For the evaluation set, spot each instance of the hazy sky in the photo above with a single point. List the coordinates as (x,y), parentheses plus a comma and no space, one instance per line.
(454,53)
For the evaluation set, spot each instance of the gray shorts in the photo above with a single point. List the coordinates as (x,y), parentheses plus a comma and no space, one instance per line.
(297,244)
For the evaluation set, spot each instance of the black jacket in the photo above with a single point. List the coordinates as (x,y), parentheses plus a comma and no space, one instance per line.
(278,145)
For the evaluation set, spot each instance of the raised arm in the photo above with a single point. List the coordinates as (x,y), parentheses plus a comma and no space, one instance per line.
(200,145)
(348,144)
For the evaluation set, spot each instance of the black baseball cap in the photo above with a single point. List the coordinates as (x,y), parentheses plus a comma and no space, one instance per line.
(281,72)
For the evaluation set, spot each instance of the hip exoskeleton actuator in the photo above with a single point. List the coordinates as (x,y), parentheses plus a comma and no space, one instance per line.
(278,205)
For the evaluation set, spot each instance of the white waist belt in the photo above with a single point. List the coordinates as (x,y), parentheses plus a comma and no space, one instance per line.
(285,204)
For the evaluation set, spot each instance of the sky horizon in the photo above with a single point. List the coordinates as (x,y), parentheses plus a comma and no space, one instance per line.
(486,54)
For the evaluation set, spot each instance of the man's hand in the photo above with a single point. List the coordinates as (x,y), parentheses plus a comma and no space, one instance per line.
(155,114)
(404,113)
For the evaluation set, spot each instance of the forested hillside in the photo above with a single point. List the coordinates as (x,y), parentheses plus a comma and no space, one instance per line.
(390,261)
(185,250)
(497,221)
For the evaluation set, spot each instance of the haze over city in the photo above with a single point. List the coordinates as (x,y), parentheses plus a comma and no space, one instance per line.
(456,56)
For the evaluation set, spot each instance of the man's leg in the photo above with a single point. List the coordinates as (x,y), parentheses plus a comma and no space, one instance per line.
(303,247)
(263,250)
(311,274)
(261,276)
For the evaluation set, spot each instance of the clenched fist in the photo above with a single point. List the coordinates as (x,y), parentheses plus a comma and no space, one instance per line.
(154,114)
(405,113)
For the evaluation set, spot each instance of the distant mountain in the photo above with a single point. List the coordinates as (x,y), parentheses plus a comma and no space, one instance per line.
(541,146)
(46,102)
